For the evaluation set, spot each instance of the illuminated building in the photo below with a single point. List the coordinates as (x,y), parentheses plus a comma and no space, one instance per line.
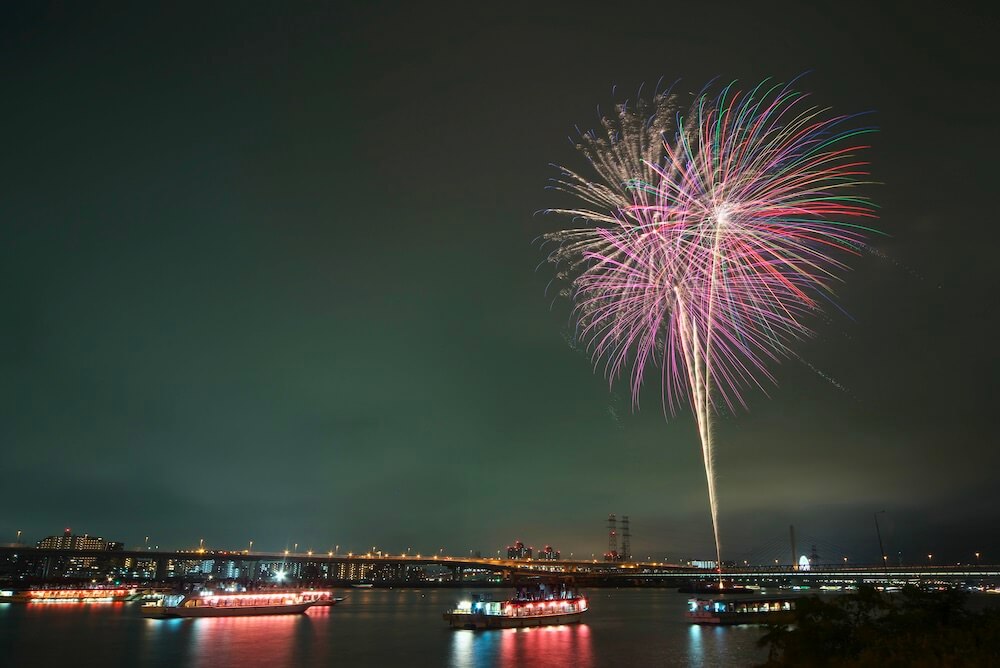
(519,551)
(68,541)
(77,566)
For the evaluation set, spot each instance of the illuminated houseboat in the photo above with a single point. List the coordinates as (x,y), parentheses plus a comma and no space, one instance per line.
(207,604)
(741,610)
(84,595)
(540,605)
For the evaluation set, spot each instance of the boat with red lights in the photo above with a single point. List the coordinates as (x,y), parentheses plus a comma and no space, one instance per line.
(540,604)
(67,595)
(208,604)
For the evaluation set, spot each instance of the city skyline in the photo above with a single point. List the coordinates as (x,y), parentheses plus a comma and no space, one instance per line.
(776,549)
(273,278)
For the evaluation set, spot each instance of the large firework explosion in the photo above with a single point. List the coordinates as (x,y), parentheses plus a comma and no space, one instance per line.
(708,238)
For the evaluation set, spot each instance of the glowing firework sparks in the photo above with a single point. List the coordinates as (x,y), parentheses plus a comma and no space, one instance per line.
(625,158)
(704,258)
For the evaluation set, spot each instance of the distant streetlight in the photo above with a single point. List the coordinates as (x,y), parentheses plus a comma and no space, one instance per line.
(295,550)
(18,540)
(147,542)
(977,554)
(845,561)
(250,549)
(336,549)
(930,558)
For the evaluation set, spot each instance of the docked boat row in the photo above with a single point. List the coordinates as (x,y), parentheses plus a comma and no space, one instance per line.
(158,603)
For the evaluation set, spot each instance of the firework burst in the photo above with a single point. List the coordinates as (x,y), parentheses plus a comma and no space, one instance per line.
(625,157)
(706,246)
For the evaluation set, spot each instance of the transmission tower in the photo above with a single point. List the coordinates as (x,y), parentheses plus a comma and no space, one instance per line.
(612,554)
(626,540)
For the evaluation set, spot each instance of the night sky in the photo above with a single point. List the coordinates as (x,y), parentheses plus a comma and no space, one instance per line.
(270,275)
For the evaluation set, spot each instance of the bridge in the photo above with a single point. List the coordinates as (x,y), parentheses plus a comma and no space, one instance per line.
(21,562)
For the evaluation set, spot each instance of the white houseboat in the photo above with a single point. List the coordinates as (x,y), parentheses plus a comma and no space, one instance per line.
(759,610)
(541,604)
(208,604)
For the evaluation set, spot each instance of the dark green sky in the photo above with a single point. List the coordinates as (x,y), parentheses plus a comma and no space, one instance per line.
(269,275)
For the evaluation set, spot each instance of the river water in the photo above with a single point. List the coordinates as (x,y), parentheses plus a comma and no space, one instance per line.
(374,627)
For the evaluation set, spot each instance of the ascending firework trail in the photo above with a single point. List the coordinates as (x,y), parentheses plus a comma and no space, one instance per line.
(708,238)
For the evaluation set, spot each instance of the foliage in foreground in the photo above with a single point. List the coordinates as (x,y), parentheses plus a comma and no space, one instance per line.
(911,629)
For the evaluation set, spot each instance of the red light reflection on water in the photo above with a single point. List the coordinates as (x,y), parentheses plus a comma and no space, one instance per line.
(568,645)
(271,640)
(73,605)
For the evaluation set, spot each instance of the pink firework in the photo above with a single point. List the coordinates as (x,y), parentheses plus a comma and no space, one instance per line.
(710,268)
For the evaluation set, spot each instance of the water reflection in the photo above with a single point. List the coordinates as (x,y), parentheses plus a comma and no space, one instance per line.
(568,645)
(719,645)
(246,640)
(71,605)
(239,641)
(696,653)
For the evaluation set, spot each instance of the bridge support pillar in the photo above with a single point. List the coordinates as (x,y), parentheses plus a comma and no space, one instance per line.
(161,568)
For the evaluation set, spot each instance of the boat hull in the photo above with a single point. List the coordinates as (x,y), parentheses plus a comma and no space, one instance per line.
(733,618)
(464,620)
(161,612)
